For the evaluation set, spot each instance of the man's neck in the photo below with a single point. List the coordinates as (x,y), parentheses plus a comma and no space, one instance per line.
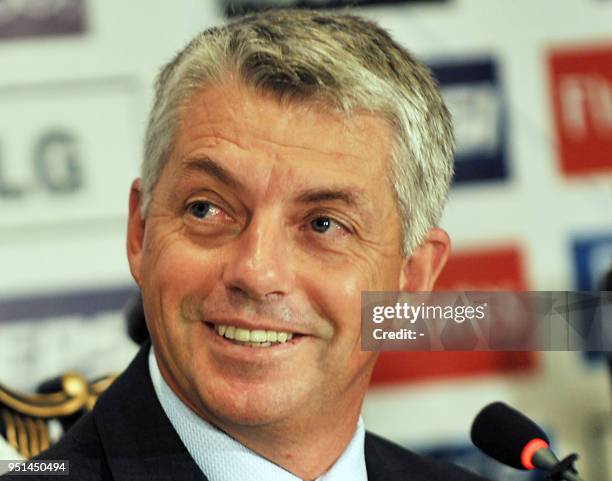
(306,452)
(305,447)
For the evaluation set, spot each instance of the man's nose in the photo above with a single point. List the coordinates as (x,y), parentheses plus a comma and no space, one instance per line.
(259,266)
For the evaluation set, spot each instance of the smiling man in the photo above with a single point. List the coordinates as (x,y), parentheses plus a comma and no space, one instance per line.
(293,159)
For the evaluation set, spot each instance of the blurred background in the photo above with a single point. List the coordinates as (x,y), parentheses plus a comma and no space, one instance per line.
(529,84)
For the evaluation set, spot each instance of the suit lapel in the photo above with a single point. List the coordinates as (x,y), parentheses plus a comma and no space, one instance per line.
(388,462)
(138,440)
(376,462)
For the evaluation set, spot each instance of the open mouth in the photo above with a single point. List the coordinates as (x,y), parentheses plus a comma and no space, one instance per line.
(252,337)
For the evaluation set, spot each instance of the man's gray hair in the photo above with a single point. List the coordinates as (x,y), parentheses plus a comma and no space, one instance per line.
(339,61)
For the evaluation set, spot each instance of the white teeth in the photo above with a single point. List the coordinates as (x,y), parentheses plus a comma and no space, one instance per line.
(243,335)
(258,336)
(254,338)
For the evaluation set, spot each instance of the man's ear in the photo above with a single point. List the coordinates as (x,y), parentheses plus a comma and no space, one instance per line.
(423,267)
(135,231)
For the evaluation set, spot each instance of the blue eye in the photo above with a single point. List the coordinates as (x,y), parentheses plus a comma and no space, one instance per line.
(321,224)
(200,209)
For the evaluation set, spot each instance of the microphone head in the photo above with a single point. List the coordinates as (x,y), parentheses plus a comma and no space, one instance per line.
(502,432)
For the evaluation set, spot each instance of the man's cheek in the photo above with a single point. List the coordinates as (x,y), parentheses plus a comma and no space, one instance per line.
(181,266)
(350,294)
(339,293)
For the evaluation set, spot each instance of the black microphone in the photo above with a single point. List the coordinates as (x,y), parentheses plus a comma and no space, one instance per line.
(515,440)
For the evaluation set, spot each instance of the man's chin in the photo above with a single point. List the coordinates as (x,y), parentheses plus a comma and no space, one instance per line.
(230,416)
(249,418)
(249,408)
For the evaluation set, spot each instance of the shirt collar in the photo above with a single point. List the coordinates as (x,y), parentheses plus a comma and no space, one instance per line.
(222,458)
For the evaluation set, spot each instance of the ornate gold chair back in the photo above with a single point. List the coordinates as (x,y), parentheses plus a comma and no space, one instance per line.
(25,418)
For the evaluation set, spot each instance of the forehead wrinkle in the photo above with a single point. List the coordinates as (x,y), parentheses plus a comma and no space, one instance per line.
(246,143)
(281,167)
(248,140)
(245,133)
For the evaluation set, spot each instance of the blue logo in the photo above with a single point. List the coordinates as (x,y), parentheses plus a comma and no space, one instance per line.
(593,262)
(473,94)
(593,258)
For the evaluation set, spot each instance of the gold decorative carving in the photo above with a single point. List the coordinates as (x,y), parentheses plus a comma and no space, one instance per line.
(72,398)
(25,416)
(22,438)
(11,429)
(44,434)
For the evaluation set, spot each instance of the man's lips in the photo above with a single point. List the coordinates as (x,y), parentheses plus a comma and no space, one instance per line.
(252,337)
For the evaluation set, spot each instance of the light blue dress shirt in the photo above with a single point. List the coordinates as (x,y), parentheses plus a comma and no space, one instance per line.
(222,458)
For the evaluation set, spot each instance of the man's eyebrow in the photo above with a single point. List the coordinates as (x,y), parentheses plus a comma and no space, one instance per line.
(350,197)
(208,166)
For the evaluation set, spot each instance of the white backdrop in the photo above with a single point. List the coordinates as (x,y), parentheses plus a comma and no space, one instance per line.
(90,94)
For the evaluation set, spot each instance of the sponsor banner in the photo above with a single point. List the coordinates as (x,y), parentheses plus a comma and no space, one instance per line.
(46,335)
(486,321)
(486,269)
(403,367)
(474,96)
(62,146)
(581,90)
(239,7)
(84,304)
(34,18)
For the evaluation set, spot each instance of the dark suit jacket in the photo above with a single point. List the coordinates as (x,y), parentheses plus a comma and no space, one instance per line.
(128,437)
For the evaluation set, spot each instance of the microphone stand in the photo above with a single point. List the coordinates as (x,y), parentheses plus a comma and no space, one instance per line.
(556,470)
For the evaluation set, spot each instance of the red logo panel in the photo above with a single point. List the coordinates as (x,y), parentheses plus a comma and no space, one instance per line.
(492,269)
(486,270)
(581,88)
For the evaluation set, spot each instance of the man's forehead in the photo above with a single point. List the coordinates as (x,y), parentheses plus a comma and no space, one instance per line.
(248,141)
(251,118)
